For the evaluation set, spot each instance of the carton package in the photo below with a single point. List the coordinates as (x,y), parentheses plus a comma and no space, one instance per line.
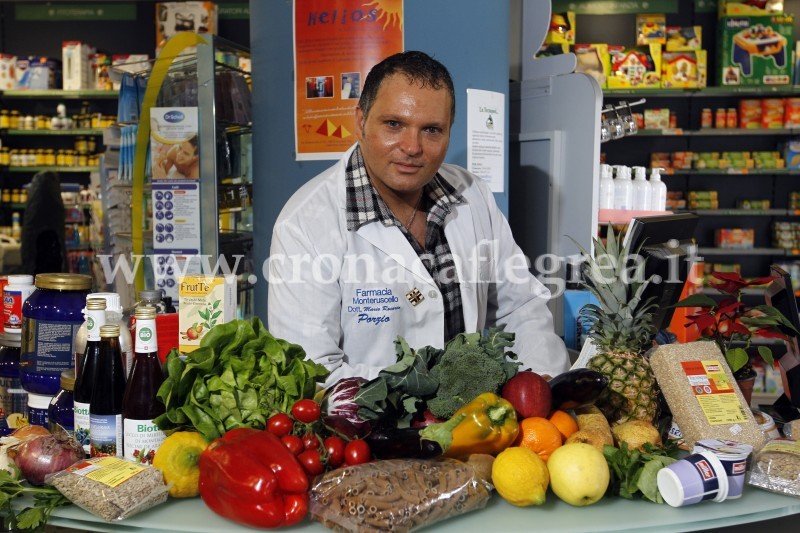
(76,65)
(791,113)
(755,50)
(750,113)
(203,302)
(174,17)
(684,69)
(772,113)
(734,237)
(8,77)
(656,119)
(593,59)
(562,28)
(792,155)
(681,39)
(635,67)
(651,29)
(38,73)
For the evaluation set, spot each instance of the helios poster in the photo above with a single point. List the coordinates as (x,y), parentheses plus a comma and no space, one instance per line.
(336,43)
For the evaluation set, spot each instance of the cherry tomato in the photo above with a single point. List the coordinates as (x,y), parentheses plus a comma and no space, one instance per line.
(294,443)
(280,424)
(306,411)
(311,462)
(335,447)
(311,441)
(356,452)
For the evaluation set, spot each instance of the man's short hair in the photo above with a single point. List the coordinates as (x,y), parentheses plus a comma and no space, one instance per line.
(418,67)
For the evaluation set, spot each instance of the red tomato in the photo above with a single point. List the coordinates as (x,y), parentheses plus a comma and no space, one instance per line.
(280,424)
(335,447)
(311,462)
(356,452)
(306,411)
(294,443)
(311,441)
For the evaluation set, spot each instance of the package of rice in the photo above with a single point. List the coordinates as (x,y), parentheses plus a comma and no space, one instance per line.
(702,394)
(776,467)
(112,488)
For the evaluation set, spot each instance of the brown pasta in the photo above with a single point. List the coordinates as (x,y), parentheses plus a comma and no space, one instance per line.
(396,495)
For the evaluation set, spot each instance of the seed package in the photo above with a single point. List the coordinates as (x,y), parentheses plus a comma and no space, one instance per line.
(755,50)
(204,302)
(593,59)
(684,69)
(651,29)
(636,67)
(681,39)
(562,28)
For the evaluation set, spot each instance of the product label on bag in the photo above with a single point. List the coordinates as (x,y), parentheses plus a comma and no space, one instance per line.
(106,435)
(714,392)
(111,471)
(47,346)
(142,439)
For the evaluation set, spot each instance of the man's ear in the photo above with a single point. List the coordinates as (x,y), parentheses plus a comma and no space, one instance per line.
(359,123)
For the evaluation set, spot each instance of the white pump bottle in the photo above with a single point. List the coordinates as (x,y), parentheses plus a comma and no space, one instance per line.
(623,188)
(641,190)
(606,187)
(658,198)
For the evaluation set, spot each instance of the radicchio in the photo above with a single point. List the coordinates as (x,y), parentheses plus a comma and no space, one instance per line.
(339,401)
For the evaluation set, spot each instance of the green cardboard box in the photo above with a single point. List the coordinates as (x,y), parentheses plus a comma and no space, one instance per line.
(755,50)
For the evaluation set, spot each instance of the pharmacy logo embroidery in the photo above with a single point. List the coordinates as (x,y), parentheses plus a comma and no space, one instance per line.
(414,296)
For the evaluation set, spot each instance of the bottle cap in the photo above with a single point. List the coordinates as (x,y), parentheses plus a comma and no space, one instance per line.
(605,171)
(95,304)
(64,282)
(20,279)
(109,330)
(640,173)
(111,299)
(68,379)
(150,295)
(145,312)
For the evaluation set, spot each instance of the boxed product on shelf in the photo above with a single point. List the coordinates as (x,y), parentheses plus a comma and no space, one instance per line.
(772,113)
(675,200)
(687,69)
(791,112)
(593,59)
(703,195)
(791,153)
(794,200)
(562,28)
(768,159)
(40,73)
(755,50)
(684,38)
(748,7)
(703,204)
(656,119)
(660,160)
(753,204)
(750,113)
(174,17)
(734,237)
(76,65)
(651,28)
(635,67)
(786,235)
(708,268)
(8,78)
(682,160)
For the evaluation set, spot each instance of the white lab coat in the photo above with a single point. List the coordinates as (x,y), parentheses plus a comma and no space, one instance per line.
(342,295)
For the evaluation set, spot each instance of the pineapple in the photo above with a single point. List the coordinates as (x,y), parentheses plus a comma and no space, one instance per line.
(620,327)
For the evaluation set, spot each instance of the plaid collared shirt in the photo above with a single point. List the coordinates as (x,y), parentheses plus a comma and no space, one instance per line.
(364,205)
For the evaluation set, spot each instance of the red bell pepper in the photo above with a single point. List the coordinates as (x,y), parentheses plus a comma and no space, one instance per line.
(250,477)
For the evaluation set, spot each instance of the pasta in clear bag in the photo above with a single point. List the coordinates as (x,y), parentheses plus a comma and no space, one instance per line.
(397,494)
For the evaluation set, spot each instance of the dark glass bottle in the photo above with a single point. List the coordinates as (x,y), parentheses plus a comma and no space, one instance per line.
(87,369)
(105,408)
(140,406)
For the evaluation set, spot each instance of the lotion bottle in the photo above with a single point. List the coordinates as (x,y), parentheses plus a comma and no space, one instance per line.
(641,190)
(658,198)
(623,188)
(606,187)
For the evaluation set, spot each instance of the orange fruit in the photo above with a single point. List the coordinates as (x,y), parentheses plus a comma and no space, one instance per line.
(564,422)
(540,435)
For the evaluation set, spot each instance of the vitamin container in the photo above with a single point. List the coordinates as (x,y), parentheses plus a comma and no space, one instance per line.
(18,289)
(38,406)
(693,479)
(13,399)
(51,318)
(61,409)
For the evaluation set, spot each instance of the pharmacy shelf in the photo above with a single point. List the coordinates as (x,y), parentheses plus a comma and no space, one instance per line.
(742,212)
(732,172)
(52,169)
(624,216)
(707,92)
(75,131)
(744,251)
(58,93)
(717,132)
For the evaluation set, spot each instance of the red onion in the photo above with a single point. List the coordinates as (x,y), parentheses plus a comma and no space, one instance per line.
(46,454)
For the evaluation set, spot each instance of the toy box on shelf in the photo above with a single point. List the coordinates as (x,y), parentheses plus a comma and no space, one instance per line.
(635,67)
(755,50)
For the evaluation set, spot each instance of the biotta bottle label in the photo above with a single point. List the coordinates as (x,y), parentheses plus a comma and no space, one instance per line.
(142,438)
(106,436)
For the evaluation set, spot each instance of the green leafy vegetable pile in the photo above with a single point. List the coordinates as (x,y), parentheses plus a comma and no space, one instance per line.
(45,499)
(633,471)
(239,377)
(443,380)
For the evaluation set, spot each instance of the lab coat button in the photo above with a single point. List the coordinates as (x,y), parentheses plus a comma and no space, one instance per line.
(433,294)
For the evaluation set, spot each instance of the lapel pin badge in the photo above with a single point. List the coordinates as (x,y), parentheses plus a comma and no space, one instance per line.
(414,296)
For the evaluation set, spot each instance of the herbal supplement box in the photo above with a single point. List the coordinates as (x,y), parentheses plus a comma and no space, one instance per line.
(203,302)
(755,50)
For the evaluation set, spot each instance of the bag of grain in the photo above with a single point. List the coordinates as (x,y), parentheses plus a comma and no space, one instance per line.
(702,394)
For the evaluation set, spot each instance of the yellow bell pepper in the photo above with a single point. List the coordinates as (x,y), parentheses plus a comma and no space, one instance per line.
(490,426)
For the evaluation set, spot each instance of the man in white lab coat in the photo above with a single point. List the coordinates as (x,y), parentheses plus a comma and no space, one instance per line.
(391,241)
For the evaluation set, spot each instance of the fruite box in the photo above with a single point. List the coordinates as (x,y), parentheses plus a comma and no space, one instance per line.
(204,302)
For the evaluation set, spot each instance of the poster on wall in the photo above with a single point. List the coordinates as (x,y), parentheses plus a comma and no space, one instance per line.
(486,117)
(336,43)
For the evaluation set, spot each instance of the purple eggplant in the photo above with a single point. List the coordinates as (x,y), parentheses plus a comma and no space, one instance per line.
(576,388)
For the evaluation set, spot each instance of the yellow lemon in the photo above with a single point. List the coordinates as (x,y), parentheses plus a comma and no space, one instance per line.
(177,459)
(520,476)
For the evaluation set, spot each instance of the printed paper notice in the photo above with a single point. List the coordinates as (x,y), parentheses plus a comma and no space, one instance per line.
(486,138)
(714,392)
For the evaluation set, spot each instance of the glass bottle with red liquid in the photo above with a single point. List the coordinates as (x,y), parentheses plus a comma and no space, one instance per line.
(140,406)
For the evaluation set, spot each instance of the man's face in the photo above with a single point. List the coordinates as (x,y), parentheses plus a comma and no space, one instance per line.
(186,156)
(404,138)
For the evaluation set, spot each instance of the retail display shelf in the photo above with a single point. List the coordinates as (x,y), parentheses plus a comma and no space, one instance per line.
(14,205)
(52,169)
(74,131)
(741,212)
(717,132)
(58,93)
(624,216)
(708,92)
(732,172)
(743,251)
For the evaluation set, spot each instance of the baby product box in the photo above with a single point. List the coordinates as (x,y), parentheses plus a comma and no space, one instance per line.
(76,65)
(680,39)
(203,302)
(635,67)
(755,50)
(684,69)
(651,29)
(593,59)
(8,77)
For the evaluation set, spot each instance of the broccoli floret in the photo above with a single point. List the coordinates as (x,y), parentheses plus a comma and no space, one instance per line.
(463,375)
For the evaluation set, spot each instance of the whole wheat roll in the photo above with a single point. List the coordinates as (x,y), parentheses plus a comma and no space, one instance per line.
(686,409)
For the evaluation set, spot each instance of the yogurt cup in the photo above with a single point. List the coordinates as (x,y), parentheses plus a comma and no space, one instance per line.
(697,477)
(733,456)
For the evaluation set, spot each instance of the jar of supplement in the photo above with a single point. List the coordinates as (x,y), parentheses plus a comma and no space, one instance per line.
(38,406)
(13,398)
(61,409)
(19,288)
(114,315)
(51,317)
